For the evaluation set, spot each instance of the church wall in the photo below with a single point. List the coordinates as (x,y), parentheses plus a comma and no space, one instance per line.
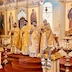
(21,12)
(68,7)
(21,6)
(53,1)
(56,19)
(62,19)
(58,14)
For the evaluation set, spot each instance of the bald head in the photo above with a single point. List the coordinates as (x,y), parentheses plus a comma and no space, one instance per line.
(45,22)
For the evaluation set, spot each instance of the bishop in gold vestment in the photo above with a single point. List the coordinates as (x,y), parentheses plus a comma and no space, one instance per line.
(25,37)
(15,39)
(35,39)
(47,37)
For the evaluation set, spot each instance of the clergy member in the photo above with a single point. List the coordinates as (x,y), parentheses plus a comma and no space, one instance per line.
(15,39)
(35,39)
(47,37)
(25,37)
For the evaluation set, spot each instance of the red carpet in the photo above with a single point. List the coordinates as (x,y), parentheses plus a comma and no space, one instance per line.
(2,70)
(62,67)
(23,64)
(22,61)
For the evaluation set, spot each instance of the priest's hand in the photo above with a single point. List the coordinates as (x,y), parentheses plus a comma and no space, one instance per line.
(22,33)
(12,33)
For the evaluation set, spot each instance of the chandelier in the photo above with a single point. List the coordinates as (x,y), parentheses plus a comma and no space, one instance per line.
(47,14)
(46,9)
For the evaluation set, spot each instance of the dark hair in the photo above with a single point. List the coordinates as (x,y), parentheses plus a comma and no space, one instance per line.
(15,23)
(32,9)
(26,20)
(33,21)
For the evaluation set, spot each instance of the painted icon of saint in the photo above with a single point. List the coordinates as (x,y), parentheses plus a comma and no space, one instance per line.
(70,18)
(1,23)
(10,20)
(33,16)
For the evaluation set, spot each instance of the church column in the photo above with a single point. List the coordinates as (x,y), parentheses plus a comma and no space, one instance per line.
(5,19)
(62,19)
(56,19)
(5,22)
(39,15)
(41,11)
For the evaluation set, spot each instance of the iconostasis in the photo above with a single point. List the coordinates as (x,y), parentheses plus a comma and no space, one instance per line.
(18,12)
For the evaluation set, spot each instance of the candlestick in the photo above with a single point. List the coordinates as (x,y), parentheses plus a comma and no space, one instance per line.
(5,43)
(67,50)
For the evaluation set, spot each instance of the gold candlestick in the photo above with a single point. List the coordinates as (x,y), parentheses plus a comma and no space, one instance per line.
(5,44)
(67,50)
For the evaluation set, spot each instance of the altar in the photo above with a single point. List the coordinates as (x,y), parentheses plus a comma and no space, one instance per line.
(69,38)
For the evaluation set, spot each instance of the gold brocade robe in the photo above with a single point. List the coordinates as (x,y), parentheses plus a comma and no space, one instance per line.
(16,40)
(47,37)
(25,38)
(35,39)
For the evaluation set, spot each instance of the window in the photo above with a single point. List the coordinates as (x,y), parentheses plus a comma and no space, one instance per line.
(47,13)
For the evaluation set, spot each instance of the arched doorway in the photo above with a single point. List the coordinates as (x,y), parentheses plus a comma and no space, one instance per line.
(21,18)
(21,22)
